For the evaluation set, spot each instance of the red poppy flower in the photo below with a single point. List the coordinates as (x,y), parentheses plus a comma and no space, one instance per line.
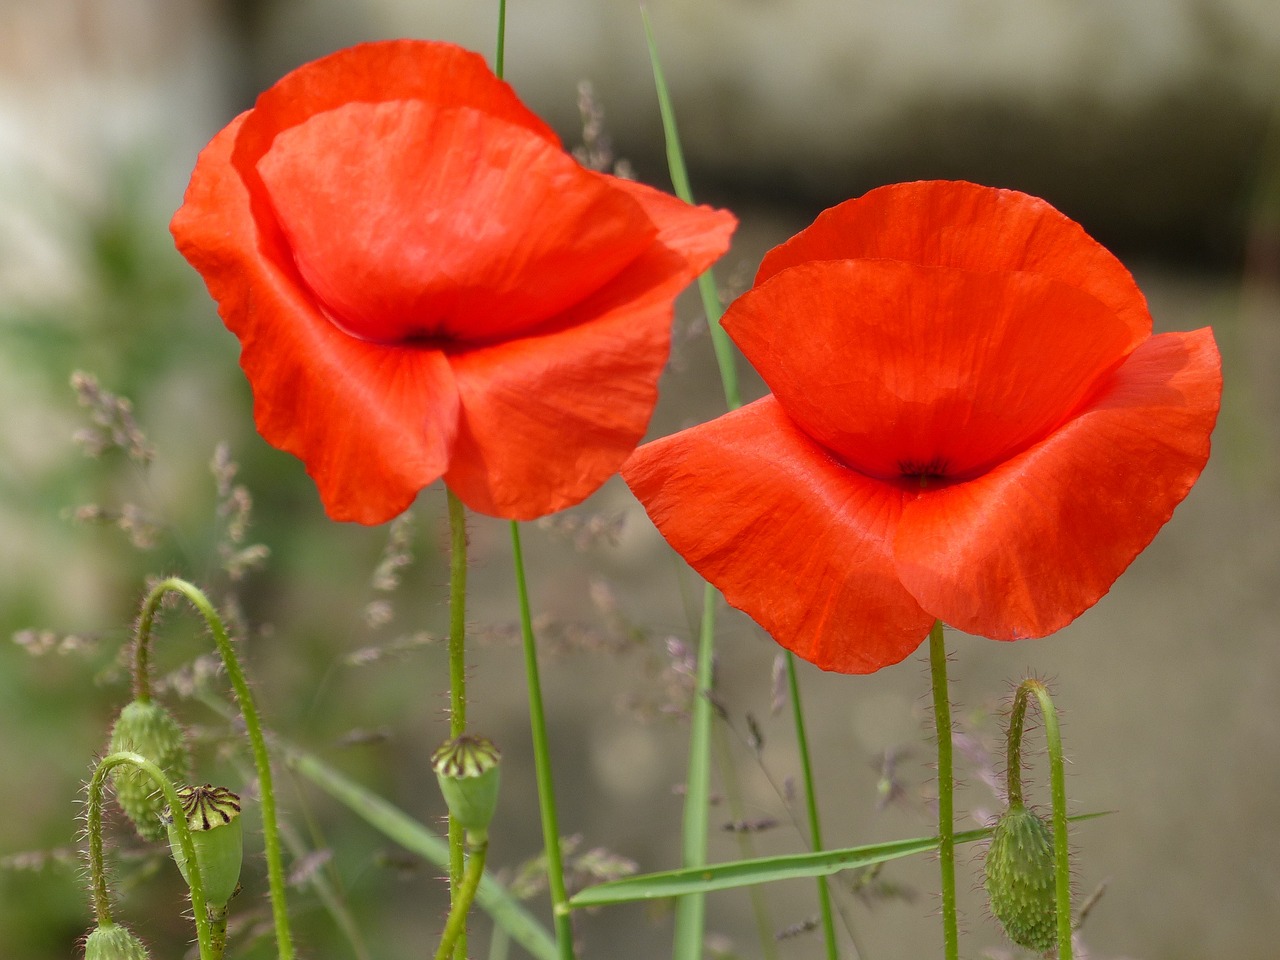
(970,421)
(425,284)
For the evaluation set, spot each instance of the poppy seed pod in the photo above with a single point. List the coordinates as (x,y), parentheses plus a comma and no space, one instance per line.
(114,942)
(213,817)
(147,728)
(1020,878)
(467,770)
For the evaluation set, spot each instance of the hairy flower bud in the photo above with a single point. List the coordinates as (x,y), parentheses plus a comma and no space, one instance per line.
(147,728)
(213,817)
(467,769)
(114,942)
(1020,878)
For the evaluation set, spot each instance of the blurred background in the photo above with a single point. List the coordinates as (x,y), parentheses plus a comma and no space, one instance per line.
(1152,122)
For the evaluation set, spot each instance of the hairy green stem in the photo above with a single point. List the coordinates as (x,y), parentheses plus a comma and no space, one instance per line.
(946,790)
(253,730)
(455,927)
(811,807)
(1058,790)
(457,683)
(542,761)
(97,867)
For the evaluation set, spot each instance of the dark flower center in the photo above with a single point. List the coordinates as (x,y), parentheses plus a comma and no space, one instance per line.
(925,473)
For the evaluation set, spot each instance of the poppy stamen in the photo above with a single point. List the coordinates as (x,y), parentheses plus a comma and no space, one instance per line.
(935,469)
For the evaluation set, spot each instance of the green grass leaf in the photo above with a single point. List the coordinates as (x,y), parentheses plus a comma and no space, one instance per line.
(743,873)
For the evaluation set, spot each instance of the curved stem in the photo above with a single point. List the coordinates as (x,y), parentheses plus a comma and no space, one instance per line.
(97,868)
(457,684)
(542,761)
(253,730)
(455,927)
(811,806)
(1058,790)
(946,790)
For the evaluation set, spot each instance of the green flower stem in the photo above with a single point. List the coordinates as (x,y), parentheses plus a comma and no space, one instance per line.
(946,790)
(457,684)
(691,909)
(253,730)
(1058,789)
(455,928)
(542,761)
(500,56)
(97,869)
(811,806)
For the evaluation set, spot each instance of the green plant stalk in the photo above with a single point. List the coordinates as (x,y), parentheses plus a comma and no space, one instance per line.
(946,790)
(499,56)
(456,926)
(811,807)
(542,761)
(97,868)
(1058,790)
(457,682)
(720,341)
(691,909)
(253,730)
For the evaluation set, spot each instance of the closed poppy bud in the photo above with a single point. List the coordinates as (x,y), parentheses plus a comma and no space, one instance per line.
(213,817)
(114,942)
(467,769)
(1020,878)
(147,728)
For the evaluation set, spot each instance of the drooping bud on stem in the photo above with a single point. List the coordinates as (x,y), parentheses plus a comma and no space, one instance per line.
(467,768)
(217,834)
(1028,871)
(111,941)
(145,727)
(1020,878)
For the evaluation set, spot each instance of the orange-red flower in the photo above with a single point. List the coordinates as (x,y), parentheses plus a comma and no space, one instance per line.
(970,421)
(425,284)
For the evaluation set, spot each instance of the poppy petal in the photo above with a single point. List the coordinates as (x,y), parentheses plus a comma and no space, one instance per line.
(410,220)
(956,224)
(548,418)
(789,536)
(1025,549)
(373,425)
(911,371)
(392,70)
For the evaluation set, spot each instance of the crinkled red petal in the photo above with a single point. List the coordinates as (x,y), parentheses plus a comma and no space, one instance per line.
(391,70)
(924,371)
(956,224)
(410,219)
(547,418)
(372,423)
(798,542)
(1025,549)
